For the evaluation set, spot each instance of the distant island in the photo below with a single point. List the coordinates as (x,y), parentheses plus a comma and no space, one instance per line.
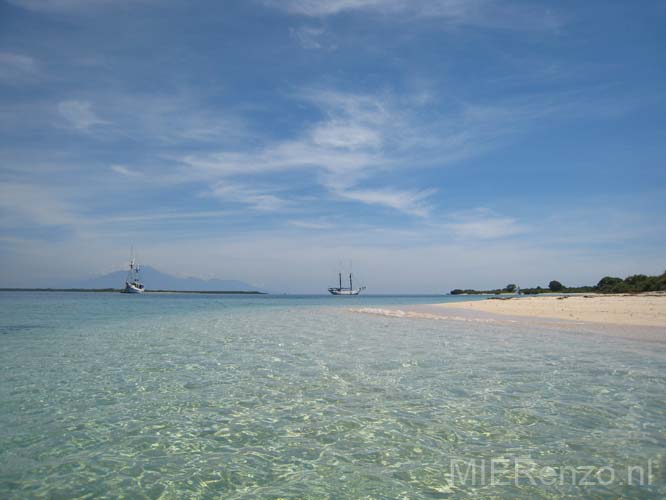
(156,282)
(637,283)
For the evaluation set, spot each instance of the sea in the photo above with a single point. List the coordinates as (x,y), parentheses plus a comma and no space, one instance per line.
(187,396)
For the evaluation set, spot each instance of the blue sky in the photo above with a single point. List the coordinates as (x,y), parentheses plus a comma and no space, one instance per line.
(435,144)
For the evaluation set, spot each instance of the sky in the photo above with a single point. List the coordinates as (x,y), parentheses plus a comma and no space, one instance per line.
(426,145)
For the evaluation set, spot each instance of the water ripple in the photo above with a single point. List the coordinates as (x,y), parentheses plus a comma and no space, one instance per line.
(315,402)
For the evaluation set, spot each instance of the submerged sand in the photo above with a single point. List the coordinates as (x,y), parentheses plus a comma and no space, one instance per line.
(637,310)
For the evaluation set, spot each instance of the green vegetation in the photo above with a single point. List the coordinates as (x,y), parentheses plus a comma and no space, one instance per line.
(555,286)
(637,283)
(559,289)
(633,284)
(510,288)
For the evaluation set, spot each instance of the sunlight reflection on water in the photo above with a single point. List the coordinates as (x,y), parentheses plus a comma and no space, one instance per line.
(206,398)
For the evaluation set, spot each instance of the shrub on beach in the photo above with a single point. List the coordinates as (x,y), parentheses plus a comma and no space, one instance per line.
(632,284)
(555,286)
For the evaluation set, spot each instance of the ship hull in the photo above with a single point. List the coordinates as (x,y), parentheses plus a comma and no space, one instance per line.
(131,288)
(336,291)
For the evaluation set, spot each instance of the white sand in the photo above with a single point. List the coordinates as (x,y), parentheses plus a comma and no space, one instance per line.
(638,310)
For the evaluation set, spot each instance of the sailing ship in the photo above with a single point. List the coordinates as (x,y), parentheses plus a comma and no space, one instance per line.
(345,291)
(133,281)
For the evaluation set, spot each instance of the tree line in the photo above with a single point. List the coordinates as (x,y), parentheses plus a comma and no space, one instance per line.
(636,283)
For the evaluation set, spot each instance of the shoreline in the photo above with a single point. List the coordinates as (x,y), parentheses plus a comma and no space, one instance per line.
(642,320)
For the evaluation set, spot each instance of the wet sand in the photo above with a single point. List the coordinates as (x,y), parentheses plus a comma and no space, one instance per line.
(633,317)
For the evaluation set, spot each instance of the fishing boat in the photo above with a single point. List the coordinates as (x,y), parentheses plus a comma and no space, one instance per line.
(345,291)
(133,281)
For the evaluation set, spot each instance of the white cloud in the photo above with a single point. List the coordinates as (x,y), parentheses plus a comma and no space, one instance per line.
(342,149)
(17,68)
(125,171)
(409,202)
(162,216)
(328,7)
(345,135)
(483,224)
(67,5)
(169,118)
(288,155)
(479,13)
(310,224)
(309,37)
(359,137)
(24,204)
(79,114)
(257,199)
(359,108)
(54,5)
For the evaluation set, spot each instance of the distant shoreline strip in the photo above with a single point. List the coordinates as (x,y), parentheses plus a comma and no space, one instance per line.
(118,290)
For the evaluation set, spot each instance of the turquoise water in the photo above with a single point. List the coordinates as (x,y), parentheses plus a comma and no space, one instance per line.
(204,396)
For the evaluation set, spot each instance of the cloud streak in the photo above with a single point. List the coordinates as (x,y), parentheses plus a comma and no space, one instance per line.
(483,224)
(17,69)
(475,13)
(50,6)
(360,138)
(23,204)
(79,114)
(251,196)
(409,202)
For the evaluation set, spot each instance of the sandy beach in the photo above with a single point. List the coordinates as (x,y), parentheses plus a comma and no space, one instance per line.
(637,310)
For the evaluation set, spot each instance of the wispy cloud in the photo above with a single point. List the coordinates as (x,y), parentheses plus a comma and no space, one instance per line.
(481,13)
(342,149)
(17,68)
(360,137)
(169,118)
(67,5)
(310,37)
(323,7)
(409,202)
(79,114)
(162,216)
(23,204)
(311,224)
(251,196)
(483,224)
(345,135)
(125,171)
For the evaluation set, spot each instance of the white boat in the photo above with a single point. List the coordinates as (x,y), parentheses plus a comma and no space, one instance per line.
(133,281)
(345,291)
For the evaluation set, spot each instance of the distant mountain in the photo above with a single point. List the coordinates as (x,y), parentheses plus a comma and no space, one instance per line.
(156,280)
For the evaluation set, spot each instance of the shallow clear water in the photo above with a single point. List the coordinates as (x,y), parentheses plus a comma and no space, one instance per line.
(204,396)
